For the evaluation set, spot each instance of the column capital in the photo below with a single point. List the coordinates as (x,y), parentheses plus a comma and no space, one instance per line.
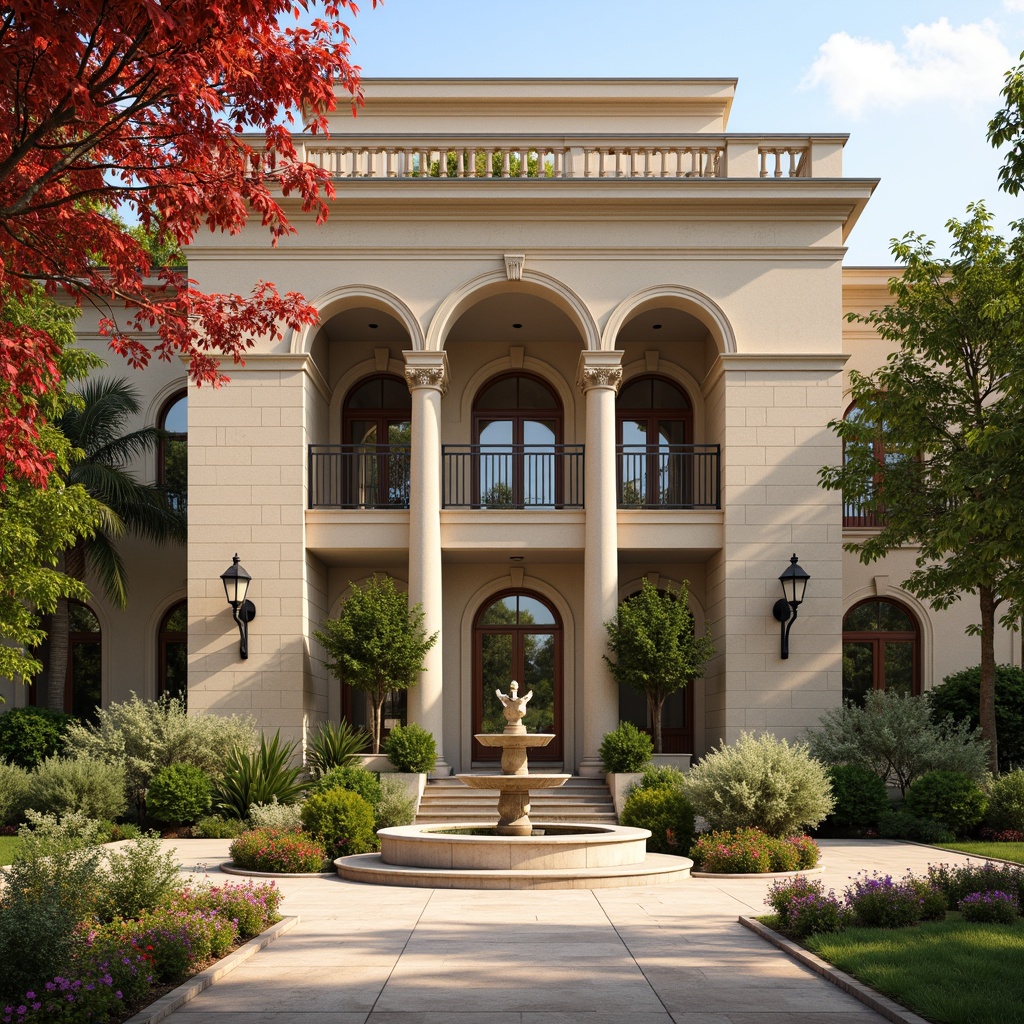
(599,370)
(426,370)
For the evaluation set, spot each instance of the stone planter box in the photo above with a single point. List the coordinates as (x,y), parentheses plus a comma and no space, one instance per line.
(415,783)
(376,762)
(680,761)
(619,784)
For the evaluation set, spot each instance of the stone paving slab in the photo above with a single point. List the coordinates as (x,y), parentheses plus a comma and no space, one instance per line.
(667,954)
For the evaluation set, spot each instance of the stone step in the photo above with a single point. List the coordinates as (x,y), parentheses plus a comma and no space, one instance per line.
(579,801)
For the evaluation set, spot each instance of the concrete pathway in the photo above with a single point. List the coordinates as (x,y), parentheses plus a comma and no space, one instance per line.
(670,954)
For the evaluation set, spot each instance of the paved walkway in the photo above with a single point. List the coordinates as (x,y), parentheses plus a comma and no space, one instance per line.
(671,954)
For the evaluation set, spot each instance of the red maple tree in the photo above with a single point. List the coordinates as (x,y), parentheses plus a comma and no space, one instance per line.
(134,110)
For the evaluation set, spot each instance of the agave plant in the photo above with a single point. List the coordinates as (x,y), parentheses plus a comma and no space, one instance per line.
(258,778)
(334,746)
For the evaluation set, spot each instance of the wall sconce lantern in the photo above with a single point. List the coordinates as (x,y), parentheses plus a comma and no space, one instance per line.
(794,584)
(236,584)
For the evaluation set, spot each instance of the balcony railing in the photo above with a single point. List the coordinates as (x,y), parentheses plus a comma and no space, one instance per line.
(501,156)
(670,476)
(358,476)
(520,476)
(857,514)
(480,476)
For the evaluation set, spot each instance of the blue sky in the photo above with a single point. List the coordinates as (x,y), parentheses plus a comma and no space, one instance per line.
(913,83)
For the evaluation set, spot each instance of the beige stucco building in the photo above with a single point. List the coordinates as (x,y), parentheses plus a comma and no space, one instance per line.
(531,386)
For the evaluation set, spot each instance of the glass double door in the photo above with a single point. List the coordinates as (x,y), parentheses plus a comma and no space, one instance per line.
(518,636)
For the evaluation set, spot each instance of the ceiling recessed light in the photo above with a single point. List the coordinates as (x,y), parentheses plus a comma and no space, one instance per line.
(656,327)
(517,326)
(372,327)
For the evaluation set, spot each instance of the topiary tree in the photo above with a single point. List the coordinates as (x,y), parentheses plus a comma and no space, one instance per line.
(957,697)
(376,644)
(656,648)
(760,782)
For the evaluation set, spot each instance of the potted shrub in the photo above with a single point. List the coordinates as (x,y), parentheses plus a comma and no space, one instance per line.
(625,753)
(656,648)
(412,751)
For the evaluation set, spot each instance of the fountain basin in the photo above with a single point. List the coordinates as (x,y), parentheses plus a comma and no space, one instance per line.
(513,783)
(580,857)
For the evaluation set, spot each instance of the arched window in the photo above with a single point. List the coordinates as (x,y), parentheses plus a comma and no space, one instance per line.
(172,455)
(881,650)
(377,429)
(654,422)
(83,684)
(172,653)
(518,635)
(517,427)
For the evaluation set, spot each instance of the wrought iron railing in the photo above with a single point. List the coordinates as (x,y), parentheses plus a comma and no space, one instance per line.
(358,476)
(512,476)
(670,476)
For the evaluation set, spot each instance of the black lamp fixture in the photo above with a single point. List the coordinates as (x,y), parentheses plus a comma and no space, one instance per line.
(236,584)
(794,584)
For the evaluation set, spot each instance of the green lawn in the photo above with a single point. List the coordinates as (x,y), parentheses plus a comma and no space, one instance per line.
(7,846)
(949,971)
(1003,851)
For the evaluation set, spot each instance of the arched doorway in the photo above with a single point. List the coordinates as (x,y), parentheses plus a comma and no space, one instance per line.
(377,430)
(518,635)
(517,424)
(83,676)
(172,653)
(654,420)
(881,650)
(676,714)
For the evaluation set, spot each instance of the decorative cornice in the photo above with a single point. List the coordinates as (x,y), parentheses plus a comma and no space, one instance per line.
(514,263)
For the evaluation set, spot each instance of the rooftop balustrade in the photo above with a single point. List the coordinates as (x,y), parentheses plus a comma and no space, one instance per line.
(427,157)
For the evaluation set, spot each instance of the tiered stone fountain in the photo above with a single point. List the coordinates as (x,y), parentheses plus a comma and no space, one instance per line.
(516,853)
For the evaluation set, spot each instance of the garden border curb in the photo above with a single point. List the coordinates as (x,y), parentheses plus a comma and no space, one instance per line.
(188,990)
(887,1007)
(228,867)
(817,870)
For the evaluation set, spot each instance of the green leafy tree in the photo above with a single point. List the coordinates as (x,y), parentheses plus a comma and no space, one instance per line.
(656,648)
(97,429)
(37,523)
(376,644)
(949,407)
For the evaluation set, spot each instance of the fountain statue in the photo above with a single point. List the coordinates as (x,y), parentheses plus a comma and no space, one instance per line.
(515,781)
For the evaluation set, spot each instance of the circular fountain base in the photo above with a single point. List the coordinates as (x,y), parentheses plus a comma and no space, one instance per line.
(455,856)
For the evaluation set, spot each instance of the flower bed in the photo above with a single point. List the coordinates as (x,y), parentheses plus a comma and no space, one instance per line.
(751,851)
(982,893)
(120,967)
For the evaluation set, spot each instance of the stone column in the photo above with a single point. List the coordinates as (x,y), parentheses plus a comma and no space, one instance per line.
(600,374)
(427,376)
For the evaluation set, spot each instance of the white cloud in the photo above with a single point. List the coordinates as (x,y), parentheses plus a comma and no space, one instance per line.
(1014,5)
(935,62)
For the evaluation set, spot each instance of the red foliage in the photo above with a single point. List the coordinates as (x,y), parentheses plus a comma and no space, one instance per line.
(138,106)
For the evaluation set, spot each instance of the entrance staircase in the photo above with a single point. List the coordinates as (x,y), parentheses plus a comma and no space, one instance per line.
(580,801)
